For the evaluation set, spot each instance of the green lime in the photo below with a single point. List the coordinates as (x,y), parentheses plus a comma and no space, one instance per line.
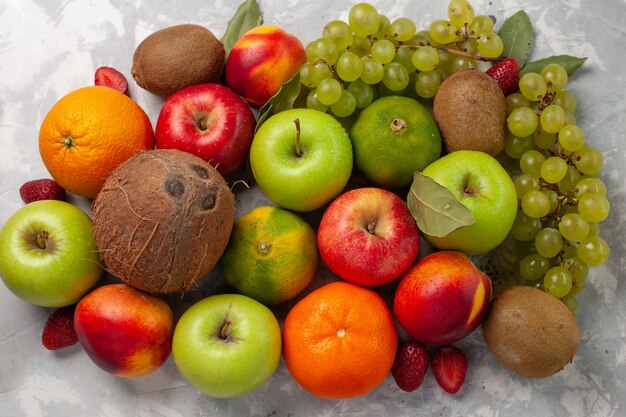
(392,138)
(271,255)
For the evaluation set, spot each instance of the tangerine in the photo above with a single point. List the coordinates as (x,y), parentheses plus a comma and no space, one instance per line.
(340,341)
(271,255)
(88,133)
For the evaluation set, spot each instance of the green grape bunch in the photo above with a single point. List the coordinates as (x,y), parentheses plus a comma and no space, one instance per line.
(371,56)
(562,200)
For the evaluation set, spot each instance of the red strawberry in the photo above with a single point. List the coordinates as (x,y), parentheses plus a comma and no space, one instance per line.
(449,366)
(110,77)
(44,189)
(410,365)
(506,73)
(59,329)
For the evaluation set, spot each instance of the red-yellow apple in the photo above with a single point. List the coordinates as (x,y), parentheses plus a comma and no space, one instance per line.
(260,62)
(124,331)
(442,298)
(367,236)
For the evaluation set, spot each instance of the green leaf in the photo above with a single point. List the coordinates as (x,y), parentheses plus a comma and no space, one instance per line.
(516,33)
(570,63)
(247,16)
(435,209)
(282,100)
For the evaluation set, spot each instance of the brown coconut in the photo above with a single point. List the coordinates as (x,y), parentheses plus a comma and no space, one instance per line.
(162,220)
(470,110)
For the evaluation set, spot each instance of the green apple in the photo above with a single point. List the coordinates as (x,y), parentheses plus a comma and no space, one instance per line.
(227,345)
(481,184)
(48,256)
(301,158)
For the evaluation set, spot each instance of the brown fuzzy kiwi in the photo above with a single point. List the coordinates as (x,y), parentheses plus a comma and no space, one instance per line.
(530,332)
(470,110)
(162,220)
(176,57)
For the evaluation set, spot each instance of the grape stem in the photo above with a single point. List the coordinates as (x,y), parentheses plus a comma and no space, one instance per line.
(444,48)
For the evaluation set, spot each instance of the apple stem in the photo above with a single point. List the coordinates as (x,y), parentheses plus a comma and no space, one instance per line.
(298,148)
(41,239)
(224,333)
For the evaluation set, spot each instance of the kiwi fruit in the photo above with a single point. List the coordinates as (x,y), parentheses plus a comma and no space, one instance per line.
(470,110)
(176,57)
(530,332)
(162,220)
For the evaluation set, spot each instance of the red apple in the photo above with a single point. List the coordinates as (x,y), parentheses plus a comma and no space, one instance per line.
(209,121)
(442,298)
(367,236)
(260,62)
(124,331)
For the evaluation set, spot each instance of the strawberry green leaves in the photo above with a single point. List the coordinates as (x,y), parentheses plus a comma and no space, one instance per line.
(247,16)
(435,209)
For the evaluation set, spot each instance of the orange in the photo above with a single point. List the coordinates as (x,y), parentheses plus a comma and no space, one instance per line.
(340,341)
(90,132)
(271,255)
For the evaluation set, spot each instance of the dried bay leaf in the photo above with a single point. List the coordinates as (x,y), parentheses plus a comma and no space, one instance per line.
(247,16)
(282,100)
(570,63)
(517,35)
(435,209)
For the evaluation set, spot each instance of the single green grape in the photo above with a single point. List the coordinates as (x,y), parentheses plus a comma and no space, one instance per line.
(570,179)
(312,102)
(588,160)
(319,71)
(555,76)
(345,106)
(553,197)
(362,92)
(349,66)
(533,86)
(593,250)
(305,75)
(373,71)
(479,25)
(427,83)
(522,121)
(570,119)
(460,13)
(425,58)
(594,229)
(396,77)
(525,183)
(384,28)
(383,50)
(543,139)
(590,185)
(593,207)
(404,56)
(535,204)
(322,49)
(460,63)
(339,33)
(533,266)
(570,302)
(516,100)
(525,228)
(553,169)
(571,138)
(360,46)
(442,32)
(566,100)
(403,29)
(490,45)
(552,118)
(548,242)
(363,19)
(514,146)
(577,267)
(329,91)
(470,46)
(558,281)
(530,162)
(574,227)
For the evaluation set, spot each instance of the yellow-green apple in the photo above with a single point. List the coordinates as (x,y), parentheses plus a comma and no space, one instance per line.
(480,183)
(209,121)
(124,331)
(442,298)
(368,236)
(227,345)
(301,158)
(48,255)
(260,62)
